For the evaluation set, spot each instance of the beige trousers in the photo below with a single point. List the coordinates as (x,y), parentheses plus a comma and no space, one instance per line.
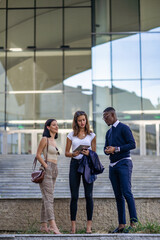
(47,190)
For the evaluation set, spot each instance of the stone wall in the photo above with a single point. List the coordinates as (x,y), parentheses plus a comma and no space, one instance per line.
(24,214)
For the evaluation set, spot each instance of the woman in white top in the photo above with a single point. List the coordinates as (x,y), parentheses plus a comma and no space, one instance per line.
(81,135)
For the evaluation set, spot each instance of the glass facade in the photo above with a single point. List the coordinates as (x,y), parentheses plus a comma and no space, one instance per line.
(60,56)
(125,65)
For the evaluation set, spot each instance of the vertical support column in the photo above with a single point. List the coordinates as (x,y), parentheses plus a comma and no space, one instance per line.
(19,143)
(34,142)
(157,139)
(63,141)
(142,140)
(4,151)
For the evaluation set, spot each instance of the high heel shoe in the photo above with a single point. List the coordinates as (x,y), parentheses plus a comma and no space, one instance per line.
(44,230)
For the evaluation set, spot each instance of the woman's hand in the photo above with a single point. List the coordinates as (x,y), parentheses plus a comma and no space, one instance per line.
(76,153)
(85,152)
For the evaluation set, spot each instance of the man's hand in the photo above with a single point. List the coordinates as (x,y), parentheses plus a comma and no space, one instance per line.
(110,150)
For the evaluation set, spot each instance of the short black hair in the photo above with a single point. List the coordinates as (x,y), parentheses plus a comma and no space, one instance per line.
(109,109)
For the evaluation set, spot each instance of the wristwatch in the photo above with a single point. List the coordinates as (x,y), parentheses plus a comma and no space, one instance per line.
(117,149)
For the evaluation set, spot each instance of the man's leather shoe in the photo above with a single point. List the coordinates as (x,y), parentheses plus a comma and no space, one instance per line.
(117,230)
(127,229)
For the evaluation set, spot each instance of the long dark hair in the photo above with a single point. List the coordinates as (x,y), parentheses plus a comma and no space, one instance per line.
(75,126)
(46,131)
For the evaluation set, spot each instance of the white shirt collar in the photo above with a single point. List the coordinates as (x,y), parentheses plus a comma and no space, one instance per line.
(116,123)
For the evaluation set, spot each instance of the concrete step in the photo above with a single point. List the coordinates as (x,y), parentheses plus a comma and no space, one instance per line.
(80,237)
(15,179)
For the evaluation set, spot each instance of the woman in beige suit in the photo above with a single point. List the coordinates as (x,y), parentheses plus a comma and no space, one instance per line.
(48,147)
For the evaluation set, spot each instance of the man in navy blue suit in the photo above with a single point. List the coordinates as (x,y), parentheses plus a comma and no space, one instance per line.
(118,143)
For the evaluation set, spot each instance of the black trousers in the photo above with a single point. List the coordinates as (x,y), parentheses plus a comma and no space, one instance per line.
(74,182)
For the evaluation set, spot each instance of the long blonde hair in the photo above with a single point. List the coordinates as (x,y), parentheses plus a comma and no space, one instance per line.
(75,126)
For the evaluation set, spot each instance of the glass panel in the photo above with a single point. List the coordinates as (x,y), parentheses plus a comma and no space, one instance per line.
(77,100)
(49,28)
(78,28)
(150,139)
(26,143)
(76,3)
(2,28)
(39,136)
(127,95)
(150,55)
(78,69)
(136,134)
(49,3)
(102,95)
(151,95)
(20,71)
(2,3)
(12,143)
(1,143)
(20,3)
(125,57)
(124,15)
(100,128)
(102,16)
(101,64)
(49,70)
(20,28)
(77,83)
(102,99)
(159,139)
(150,15)
(2,105)
(2,71)
(20,106)
(49,106)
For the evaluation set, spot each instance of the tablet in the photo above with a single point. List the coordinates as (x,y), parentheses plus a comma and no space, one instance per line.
(81,147)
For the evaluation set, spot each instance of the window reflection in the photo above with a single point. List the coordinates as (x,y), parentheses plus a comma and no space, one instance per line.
(2,3)
(101,63)
(136,135)
(77,32)
(25,143)
(150,55)
(125,57)
(49,70)
(150,139)
(49,3)
(12,143)
(1,143)
(21,28)
(49,105)
(151,95)
(20,3)
(102,17)
(2,104)
(125,15)
(2,27)
(20,106)
(48,28)
(20,71)
(77,100)
(2,71)
(126,95)
(150,15)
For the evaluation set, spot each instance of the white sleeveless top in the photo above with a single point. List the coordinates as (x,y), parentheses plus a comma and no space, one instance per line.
(77,141)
